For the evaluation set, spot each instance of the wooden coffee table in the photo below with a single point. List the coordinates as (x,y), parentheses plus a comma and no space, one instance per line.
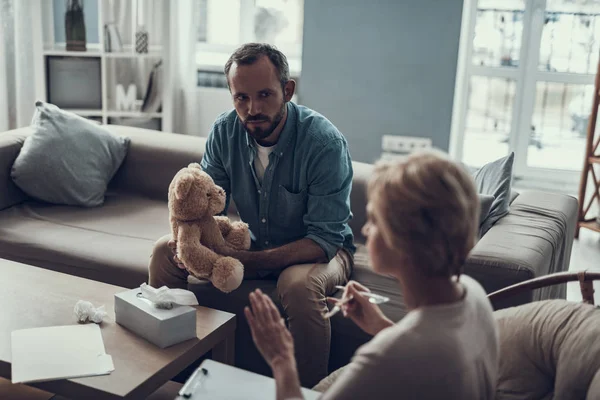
(33,297)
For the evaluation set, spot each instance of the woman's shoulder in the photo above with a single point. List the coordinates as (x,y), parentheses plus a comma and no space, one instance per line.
(419,330)
(399,338)
(477,302)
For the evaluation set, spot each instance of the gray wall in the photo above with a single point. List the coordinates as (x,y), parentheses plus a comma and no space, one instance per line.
(381,67)
(90,17)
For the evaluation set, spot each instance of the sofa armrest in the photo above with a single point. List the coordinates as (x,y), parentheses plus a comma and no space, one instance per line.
(533,240)
(153,159)
(10,146)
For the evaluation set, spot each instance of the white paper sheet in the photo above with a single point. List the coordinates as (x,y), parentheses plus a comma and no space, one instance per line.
(58,352)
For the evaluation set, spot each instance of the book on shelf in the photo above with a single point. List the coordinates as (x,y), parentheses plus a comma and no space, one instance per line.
(112,38)
(153,98)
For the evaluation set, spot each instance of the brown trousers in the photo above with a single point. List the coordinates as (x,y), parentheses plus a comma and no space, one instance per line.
(302,290)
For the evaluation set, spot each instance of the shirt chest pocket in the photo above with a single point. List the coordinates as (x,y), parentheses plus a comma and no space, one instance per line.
(291,208)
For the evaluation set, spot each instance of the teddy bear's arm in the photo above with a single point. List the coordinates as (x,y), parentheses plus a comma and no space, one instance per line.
(224,224)
(236,234)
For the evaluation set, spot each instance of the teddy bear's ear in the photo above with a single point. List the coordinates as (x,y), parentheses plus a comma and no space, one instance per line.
(183,185)
(195,165)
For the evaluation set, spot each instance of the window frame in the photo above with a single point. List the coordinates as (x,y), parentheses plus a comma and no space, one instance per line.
(526,75)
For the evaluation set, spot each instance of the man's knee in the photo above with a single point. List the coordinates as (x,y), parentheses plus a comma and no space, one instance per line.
(161,247)
(296,285)
(160,257)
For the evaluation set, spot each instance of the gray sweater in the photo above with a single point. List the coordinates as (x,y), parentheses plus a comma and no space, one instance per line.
(438,352)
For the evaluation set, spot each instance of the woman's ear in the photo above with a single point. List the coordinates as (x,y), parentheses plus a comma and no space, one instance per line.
(289,89)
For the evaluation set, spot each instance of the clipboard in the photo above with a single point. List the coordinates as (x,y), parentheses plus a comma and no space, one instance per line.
(216,381)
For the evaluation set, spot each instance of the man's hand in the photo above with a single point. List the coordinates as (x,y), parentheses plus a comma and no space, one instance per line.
(298,252)
(271,336)
(365,314)
(173,246)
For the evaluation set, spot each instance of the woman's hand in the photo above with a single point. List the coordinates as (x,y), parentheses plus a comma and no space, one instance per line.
(275,343)
(271,336)
(365,314)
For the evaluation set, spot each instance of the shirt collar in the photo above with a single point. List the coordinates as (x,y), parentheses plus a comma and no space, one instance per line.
(287,133)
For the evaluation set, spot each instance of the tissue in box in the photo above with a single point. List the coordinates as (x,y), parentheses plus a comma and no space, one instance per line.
(159,326)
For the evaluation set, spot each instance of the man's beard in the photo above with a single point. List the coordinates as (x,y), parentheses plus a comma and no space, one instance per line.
(259,133)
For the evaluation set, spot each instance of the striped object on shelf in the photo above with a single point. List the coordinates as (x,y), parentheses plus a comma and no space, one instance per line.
(141,40)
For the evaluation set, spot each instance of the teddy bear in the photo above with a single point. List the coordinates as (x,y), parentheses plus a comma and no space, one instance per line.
(200,235)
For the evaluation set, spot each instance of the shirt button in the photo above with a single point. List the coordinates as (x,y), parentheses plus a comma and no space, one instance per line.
(259,191)
(263,220)
(266,242)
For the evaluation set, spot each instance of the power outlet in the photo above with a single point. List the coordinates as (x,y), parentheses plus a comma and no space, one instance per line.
(386,156)
(404,144)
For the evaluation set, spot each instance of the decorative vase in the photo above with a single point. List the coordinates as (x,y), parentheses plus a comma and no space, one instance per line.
(141,40)
(75,26)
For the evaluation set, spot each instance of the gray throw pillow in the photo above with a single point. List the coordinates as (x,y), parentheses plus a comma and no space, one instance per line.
(495,179)
(485,203)
(67,159)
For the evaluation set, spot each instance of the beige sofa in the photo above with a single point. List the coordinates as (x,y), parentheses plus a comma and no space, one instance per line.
(113,243)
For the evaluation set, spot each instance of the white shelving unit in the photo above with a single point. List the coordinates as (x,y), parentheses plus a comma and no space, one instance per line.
(107,59)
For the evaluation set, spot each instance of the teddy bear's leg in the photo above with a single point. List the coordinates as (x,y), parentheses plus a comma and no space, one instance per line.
(235,233)
(197,258)
(227,274)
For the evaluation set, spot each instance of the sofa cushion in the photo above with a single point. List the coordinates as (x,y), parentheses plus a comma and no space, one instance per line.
(112,243)
(67,159)
(548,349)
(495,179)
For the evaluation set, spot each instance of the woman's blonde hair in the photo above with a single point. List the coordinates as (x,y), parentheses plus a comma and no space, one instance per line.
(427,207)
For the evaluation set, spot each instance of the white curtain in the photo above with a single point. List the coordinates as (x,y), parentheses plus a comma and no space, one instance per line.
(183,63)
(5,27)
(18,50)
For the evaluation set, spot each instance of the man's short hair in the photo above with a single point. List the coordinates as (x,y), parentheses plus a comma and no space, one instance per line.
(249,53)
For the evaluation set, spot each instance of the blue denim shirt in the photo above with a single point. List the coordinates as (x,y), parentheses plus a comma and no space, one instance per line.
(305,191)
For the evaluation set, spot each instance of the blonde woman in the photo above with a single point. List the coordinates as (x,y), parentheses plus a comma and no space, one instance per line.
(422,223)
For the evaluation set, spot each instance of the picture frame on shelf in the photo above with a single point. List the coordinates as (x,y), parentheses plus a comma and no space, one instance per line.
(74,82)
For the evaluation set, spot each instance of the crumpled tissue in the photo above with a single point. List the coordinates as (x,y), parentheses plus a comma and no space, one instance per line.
(85,311)
(163,297)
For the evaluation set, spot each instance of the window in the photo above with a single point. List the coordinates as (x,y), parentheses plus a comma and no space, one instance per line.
(223,25)
(528,82)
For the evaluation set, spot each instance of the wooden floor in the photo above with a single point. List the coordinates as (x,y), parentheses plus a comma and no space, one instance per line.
(585,255)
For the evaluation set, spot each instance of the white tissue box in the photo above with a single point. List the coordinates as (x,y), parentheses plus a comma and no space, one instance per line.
(162,327)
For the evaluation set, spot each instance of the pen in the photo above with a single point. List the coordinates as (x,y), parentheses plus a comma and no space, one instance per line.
(336,308)
(188,389)
(373,298)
